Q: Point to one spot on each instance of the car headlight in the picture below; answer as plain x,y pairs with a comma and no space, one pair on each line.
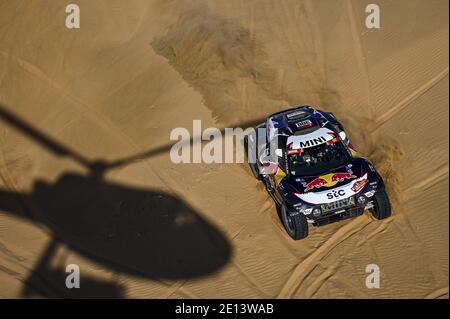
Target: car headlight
304,210
317,212
372,189
370,193
361,199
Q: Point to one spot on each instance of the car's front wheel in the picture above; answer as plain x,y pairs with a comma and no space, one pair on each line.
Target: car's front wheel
295,224
382,205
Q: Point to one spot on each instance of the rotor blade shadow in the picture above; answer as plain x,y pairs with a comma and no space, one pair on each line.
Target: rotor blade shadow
44,140
61,150
167,147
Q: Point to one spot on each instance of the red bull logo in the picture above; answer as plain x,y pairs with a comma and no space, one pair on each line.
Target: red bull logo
340,177
328,180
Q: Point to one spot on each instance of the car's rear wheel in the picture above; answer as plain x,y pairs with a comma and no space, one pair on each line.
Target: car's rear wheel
296,224
382,205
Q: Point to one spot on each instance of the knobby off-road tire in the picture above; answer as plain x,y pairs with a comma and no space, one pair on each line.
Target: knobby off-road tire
295,225
382,207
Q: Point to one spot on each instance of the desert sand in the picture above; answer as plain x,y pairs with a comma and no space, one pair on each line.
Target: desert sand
75,102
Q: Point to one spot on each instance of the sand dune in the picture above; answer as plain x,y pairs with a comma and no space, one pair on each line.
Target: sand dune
117,86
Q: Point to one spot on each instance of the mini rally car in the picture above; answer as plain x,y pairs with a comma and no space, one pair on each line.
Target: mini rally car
310,169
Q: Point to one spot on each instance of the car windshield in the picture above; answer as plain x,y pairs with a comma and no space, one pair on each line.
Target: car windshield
318,159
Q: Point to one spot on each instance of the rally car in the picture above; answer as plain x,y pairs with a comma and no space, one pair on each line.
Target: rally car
312,172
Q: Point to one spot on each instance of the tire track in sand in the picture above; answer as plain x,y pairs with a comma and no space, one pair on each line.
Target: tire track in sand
303,269
409,99
438,175
438,293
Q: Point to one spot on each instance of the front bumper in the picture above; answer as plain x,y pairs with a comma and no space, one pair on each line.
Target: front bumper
340,214
332,217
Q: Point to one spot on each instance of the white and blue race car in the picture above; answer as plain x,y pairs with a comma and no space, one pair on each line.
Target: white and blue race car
310,169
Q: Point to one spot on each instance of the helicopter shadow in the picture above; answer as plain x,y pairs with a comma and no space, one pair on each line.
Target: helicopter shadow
132,230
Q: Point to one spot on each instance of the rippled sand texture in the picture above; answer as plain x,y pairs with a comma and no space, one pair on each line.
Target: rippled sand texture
145,227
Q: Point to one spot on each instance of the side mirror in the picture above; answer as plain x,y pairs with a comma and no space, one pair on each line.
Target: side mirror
279,152
269,168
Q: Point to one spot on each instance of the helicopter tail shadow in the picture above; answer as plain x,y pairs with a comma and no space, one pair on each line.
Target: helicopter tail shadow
45,281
